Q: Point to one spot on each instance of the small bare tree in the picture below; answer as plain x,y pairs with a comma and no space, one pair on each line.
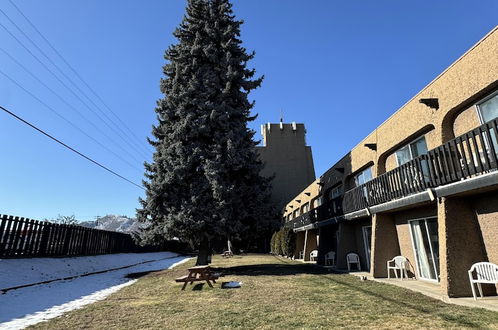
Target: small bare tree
65,220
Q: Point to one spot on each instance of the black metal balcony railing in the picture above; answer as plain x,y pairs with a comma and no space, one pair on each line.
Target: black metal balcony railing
468,155
327,210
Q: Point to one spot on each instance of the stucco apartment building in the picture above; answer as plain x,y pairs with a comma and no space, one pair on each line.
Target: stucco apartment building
423,185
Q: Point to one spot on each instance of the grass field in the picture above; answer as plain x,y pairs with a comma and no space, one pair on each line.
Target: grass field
276,293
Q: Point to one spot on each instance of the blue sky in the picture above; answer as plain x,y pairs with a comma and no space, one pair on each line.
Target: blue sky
326,63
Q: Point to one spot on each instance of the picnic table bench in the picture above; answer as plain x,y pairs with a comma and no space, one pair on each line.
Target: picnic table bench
227,254
198,273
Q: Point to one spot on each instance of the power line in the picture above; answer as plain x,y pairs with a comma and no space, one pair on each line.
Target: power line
68,147
68,79
65,119
65,102
51,72
73,70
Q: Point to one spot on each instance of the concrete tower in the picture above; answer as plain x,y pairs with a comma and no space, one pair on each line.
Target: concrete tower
286,155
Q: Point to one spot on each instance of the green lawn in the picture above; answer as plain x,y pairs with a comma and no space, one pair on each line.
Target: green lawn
276,293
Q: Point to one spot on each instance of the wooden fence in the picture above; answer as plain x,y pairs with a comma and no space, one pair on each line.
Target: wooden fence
22,237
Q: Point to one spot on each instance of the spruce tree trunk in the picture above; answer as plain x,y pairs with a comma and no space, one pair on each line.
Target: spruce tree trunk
204,252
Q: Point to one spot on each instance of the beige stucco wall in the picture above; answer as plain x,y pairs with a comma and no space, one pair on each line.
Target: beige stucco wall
460,244
465,121
391,162
469,79
313,191
472,73
385,244
486,209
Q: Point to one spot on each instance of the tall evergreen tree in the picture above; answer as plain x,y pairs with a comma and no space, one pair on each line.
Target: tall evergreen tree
204,182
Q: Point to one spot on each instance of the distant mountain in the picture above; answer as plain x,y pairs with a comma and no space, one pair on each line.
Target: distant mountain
111,222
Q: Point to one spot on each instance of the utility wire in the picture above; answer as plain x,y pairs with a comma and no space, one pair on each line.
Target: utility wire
65,119
66,102
70,148
77,74
53,74
70,81
74,71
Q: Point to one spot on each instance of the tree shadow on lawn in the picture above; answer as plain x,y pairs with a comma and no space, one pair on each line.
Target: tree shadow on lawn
271,270
279,269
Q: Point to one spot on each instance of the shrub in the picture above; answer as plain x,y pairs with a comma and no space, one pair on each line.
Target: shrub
272,243
287,242
278,243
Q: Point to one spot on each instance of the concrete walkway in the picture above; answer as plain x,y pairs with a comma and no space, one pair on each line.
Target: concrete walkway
433,290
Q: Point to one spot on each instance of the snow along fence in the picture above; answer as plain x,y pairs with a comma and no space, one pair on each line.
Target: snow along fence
23,237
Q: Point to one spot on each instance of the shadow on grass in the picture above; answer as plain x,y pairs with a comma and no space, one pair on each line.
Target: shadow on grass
142,274
431,309
271,270
198,287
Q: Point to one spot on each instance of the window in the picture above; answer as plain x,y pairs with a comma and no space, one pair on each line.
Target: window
488,109
363,177
335,192
305,208
411,150
317,202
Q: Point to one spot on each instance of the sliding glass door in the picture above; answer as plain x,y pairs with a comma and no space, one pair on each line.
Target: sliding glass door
367,237
426,247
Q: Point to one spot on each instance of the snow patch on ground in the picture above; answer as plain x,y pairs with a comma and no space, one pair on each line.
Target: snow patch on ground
27,306
56,311
16,272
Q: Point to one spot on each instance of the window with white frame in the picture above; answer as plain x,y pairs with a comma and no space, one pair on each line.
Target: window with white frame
363,177
488,109
411,150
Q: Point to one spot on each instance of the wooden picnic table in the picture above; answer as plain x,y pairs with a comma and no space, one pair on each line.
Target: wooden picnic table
227,254
198,273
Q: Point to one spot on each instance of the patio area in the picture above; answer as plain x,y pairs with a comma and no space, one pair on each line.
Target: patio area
433,290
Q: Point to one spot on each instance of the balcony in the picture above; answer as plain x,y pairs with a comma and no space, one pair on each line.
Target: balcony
469,155
327,210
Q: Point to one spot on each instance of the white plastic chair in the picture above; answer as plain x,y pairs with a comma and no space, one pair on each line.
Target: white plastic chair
330,259
398,263
353,258
486,273
313,255
301,255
